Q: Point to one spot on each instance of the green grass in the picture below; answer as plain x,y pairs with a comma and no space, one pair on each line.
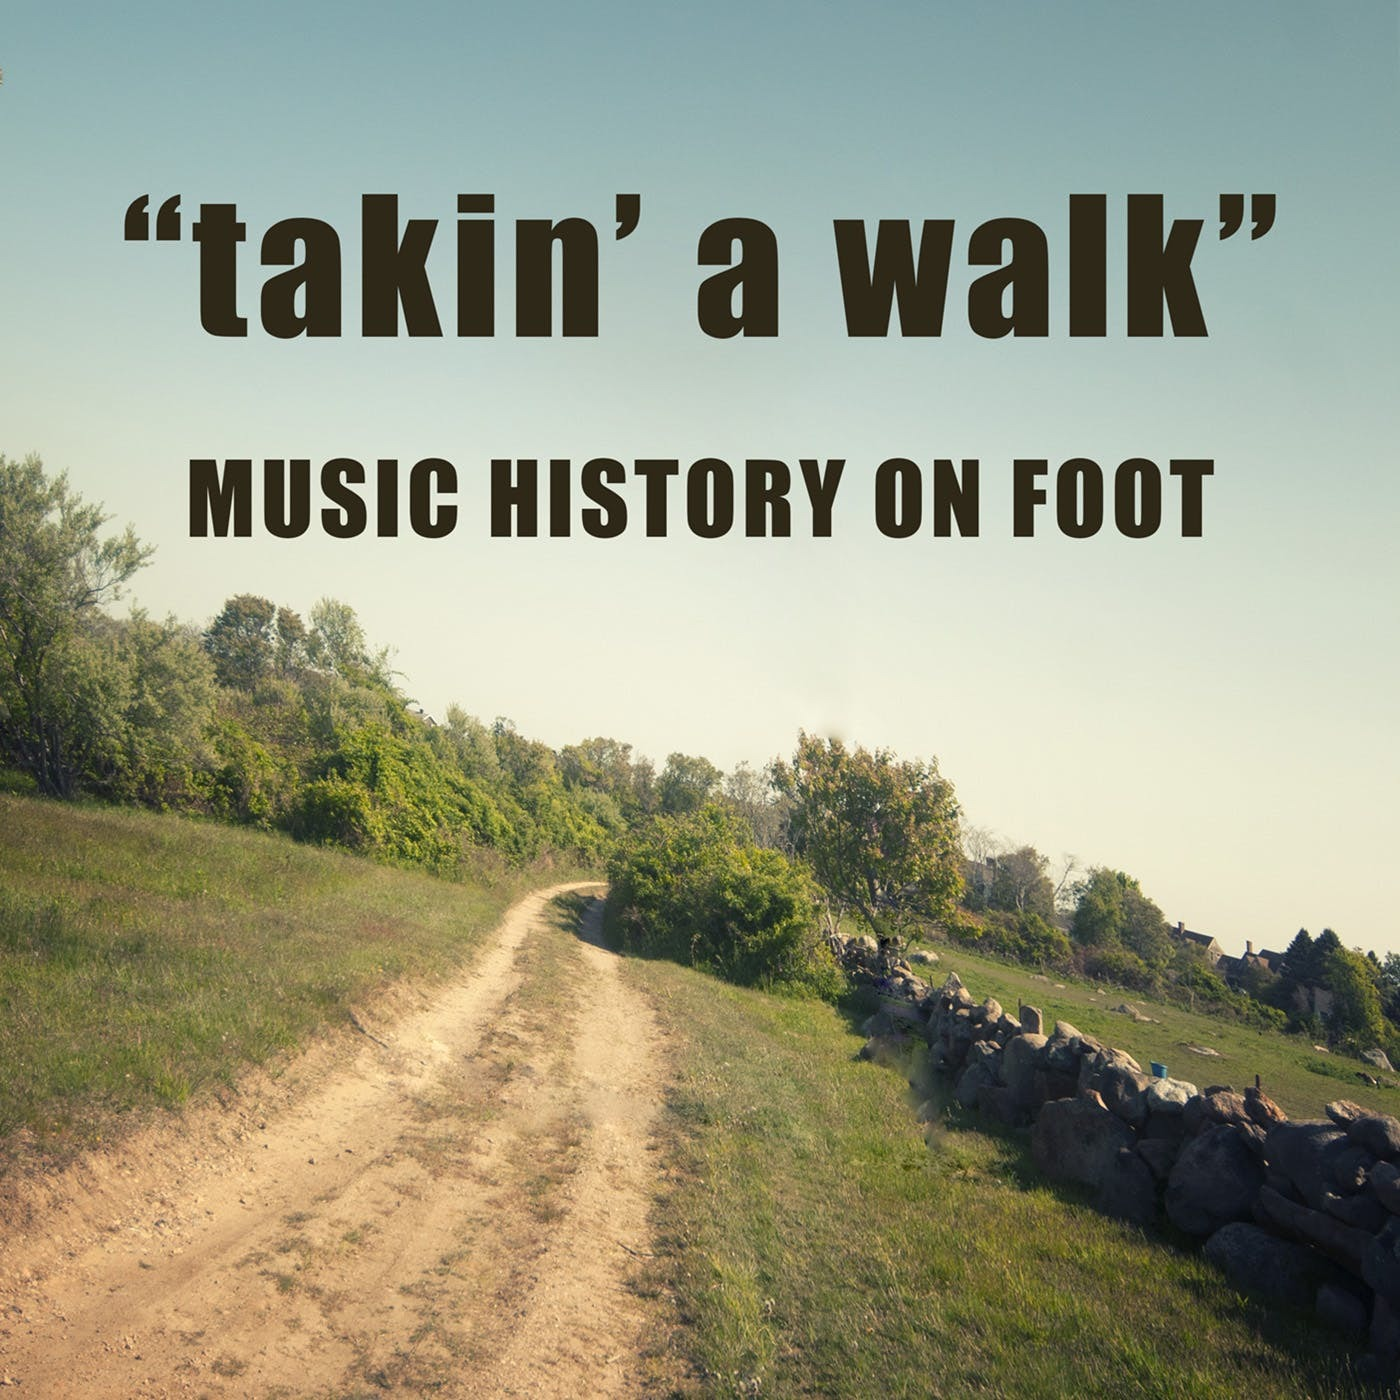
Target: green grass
815,1245
146,958
1298,1077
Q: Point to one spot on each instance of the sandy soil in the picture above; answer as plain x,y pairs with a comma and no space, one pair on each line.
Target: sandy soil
449,1203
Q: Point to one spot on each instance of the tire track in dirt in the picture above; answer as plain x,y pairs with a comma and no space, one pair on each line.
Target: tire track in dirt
457,1210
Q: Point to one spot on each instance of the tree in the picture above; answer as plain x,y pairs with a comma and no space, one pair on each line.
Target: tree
1388,980
1098,909
56,572
1299,966
750,795
470,745
242,642
1020,883
880,834
1112,912
686,783
167,704
1356,998
607,766
337,643
290,648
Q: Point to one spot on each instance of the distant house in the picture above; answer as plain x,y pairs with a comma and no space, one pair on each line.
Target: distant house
1265,960
980,876
1213,951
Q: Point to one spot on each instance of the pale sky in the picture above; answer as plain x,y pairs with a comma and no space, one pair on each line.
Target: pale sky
1216,716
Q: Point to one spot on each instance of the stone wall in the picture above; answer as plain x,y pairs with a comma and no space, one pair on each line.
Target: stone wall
1306,1213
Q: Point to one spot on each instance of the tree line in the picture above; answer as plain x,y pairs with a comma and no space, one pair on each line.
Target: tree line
266,718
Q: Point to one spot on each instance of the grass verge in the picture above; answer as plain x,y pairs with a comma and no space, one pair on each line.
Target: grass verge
144,958
814,1244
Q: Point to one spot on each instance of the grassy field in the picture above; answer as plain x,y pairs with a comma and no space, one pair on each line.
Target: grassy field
144,958
814,1245
1298,1077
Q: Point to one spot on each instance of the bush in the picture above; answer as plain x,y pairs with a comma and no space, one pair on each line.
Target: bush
1119,966
694,888
1023,938
1202,989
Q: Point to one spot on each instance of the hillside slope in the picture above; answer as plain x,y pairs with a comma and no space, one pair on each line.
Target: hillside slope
146,958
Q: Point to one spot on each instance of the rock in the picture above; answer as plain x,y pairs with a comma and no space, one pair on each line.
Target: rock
903,1013
1078,1140
1065,1031
1019,1062
1214,1181
1091,1066
1128,1190
1260,1263
1344,1243
991,1011
887,1049
923,956
952,985
1365,1212
1385,1331
972,1081
1380,1263
926,1112
1385,1183
1125,1094
1171,1127
1351,1169
1276,1181
1216,1105
1342,1311
1032,1022
997,1103
1305,1153
1343,1111
1160,1155
1262,1109
1376,1132
1378,1057
1054,1084
1169,1096
1062,1051
1256,1139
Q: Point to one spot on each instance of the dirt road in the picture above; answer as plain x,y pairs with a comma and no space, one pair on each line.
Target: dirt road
450,1203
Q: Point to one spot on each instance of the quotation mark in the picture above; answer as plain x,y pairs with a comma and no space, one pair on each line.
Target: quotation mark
1261,209
628,208
138,220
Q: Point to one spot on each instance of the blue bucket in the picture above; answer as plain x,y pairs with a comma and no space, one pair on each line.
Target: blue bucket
1158,1071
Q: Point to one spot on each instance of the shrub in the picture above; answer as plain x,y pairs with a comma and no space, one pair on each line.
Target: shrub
1023,938
1119,966
696,889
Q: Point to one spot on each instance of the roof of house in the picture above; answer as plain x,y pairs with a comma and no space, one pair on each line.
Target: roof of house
1204,939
